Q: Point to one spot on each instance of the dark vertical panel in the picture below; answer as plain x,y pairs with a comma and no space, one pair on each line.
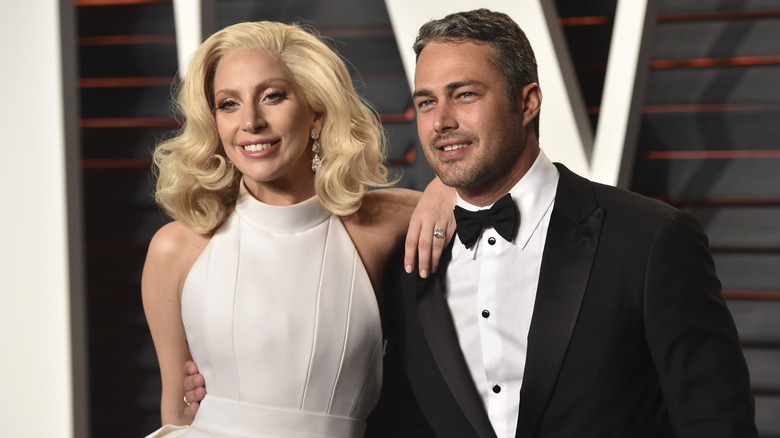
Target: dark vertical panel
708,143
127,63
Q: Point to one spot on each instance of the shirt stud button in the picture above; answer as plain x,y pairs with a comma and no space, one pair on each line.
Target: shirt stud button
496,389
485,313
492,240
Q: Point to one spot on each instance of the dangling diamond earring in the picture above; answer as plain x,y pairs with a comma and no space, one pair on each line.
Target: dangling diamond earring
316,149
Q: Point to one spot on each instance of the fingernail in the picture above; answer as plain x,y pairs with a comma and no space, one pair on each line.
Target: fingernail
424,274
408,269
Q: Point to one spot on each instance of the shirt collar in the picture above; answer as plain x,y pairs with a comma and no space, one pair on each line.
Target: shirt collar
534,195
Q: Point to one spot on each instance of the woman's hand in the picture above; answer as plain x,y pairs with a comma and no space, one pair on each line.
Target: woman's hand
431,228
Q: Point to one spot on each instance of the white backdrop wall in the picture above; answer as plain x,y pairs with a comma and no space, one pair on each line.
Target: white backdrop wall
36,372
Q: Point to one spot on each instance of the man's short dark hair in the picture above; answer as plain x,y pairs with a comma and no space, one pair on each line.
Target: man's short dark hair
512,53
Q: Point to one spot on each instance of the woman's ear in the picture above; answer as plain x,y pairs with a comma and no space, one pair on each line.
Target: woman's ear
319,120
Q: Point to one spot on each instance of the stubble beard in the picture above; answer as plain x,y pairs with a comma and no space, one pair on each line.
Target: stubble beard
476,174
456,173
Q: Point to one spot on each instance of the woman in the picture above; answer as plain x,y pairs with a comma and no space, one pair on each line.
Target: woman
267,277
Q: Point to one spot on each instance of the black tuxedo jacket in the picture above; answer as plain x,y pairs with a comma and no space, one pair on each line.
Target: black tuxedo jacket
630,336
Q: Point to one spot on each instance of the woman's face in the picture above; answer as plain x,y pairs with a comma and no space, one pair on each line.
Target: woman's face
265,124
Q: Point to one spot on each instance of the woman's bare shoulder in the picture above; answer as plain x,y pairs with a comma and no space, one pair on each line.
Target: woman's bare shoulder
389,207
175,240
394,197
383,216
172,252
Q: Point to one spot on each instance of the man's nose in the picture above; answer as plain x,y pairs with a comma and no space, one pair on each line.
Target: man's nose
443,118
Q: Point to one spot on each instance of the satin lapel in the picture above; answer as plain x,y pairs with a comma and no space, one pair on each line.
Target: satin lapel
442,339
569,251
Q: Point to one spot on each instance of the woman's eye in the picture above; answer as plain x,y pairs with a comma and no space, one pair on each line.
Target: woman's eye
227,104
275,96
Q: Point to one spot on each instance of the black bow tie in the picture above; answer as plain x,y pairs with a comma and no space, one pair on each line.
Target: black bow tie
502,216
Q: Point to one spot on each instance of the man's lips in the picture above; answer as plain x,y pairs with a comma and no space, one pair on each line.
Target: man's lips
453,147
452,143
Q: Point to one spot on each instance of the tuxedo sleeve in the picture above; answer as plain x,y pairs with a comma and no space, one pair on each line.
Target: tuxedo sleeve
692,336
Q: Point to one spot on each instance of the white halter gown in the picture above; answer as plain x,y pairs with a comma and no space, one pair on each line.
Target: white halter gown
282,320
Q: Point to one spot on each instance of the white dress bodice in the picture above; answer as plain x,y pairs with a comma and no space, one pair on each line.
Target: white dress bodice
283,323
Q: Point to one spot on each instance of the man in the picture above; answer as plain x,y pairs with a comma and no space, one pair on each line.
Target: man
598,315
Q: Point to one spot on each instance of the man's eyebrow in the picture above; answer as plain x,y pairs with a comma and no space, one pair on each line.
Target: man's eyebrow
457,84
425,92
422,93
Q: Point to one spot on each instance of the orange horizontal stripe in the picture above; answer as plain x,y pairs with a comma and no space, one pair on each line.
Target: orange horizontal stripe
406,116
585,21
377,75
116,2
129,122
715,62
751,294
409,157
118,40
126,82
696,155
720,15
660,64
116,164
356,31
720,202
699,107
666,18
708,107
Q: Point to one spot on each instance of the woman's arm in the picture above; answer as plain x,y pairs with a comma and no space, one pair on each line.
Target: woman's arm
172,252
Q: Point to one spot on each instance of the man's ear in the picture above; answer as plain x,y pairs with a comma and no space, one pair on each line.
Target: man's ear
531,102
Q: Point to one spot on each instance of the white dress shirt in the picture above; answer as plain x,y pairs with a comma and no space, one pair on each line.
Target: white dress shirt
491,290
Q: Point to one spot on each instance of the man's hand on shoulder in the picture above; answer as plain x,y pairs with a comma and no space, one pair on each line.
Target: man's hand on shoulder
194,389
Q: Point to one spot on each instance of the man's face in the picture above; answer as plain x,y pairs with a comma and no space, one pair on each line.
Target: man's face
470,138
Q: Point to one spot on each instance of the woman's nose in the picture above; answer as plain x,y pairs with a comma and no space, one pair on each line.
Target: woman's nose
253,120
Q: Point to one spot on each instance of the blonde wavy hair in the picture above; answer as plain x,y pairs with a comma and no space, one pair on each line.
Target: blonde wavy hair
196,184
